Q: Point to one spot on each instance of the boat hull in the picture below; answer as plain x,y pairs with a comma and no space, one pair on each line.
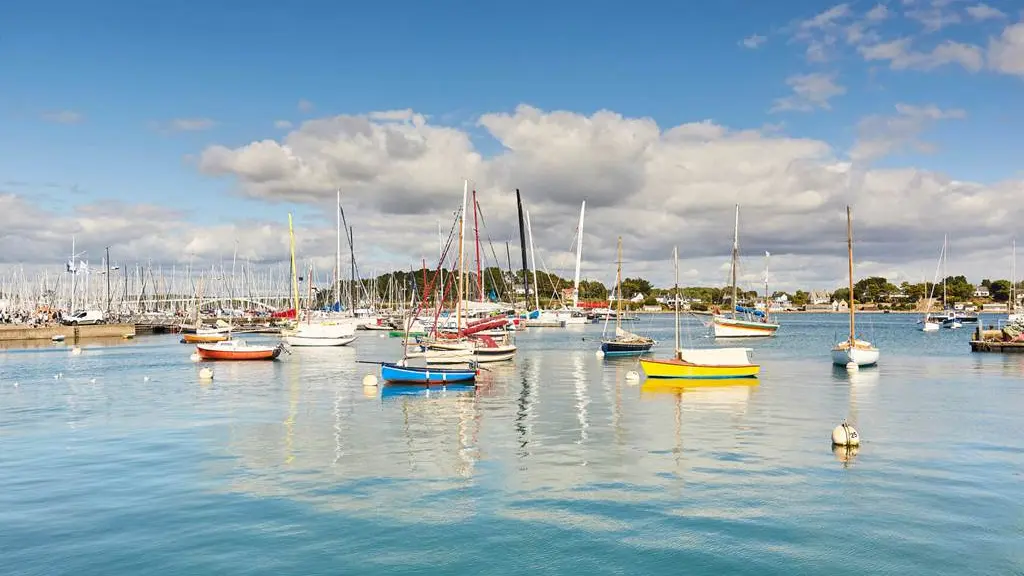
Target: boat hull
859,355
247,353
729,328
203,338
613,348
395,374
305,341
680,369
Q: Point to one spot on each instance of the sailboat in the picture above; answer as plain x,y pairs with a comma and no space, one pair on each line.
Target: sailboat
700,363
467,346
931,323
742,322
853,351
625,343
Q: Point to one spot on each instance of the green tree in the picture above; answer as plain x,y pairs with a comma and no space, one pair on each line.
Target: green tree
1000,290
633,286
841,294
958,289
873,289
800,298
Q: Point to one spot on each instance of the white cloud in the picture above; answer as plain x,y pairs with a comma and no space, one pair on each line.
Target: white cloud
935,18
810,91
283,124
883,135
655,186
984,12
754,41
878,13
827,18
1006,53
305,106
63,117
901,56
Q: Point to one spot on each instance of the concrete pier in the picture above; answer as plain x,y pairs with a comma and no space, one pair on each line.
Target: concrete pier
14,333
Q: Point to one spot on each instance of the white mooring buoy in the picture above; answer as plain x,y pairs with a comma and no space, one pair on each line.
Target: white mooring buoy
632,375
76,351
206,374
194,357
599,353
369,380
845,435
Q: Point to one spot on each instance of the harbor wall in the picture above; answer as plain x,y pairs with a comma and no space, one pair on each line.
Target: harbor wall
11,333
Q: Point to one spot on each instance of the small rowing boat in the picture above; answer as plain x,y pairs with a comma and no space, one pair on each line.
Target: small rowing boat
395,373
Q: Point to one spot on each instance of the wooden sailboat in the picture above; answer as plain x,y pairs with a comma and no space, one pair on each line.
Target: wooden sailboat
238,350
702,363
741,322
853,351
625,343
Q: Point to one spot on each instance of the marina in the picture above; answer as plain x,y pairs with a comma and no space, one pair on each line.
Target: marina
557,446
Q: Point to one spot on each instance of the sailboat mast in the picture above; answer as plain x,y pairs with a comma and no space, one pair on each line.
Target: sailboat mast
945,258
337,254
767,302
476,235
462,233
295,279
533,262
675,260
849,249
735,256
579,259
353,293
618,290
522,243
1013,275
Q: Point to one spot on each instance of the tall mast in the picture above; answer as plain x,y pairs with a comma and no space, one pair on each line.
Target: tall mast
579,258
735,256
849,248
476,234
945,257
337,255
618,290
675,259
767,303
1013,276
353,293
74,276
533,262
462,233
522,243
295,278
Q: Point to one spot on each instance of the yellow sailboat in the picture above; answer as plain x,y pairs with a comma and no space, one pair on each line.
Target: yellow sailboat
703,363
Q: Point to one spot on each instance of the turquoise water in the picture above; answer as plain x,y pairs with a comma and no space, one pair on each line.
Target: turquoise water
557,464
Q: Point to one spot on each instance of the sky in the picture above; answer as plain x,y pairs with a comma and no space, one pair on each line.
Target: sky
180,132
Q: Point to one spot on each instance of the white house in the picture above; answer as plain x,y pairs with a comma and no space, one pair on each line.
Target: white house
981,292
819,297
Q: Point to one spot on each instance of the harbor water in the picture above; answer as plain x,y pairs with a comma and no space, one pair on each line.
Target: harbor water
121,461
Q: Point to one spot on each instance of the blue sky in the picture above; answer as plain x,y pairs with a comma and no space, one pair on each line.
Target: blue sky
129,69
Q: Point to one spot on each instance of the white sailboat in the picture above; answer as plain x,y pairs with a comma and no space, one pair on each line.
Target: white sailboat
853,351
930,323
753,323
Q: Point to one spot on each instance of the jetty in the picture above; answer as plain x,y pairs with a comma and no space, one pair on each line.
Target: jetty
1004,340
17,332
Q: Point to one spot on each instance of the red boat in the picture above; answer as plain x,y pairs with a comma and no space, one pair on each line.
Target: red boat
238,350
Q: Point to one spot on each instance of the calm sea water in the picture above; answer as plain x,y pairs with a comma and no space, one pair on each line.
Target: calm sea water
120,461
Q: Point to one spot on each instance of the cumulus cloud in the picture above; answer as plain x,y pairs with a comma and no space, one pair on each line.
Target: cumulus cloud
878,13
656,186
810,91
63,117
185,125
1006,53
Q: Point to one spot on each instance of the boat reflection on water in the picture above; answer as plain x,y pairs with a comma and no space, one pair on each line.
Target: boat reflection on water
398,391
731,393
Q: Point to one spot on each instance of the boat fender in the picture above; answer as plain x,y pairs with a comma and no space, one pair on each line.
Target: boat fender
599,354
369,380
206,374
845,435
194,357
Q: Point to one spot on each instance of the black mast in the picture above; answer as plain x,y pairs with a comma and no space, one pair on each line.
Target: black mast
522,243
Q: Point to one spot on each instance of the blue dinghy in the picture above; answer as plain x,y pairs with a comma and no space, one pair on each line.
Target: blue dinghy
396,374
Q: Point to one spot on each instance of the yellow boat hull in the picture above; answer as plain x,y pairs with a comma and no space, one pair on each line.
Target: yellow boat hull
203,339
679,369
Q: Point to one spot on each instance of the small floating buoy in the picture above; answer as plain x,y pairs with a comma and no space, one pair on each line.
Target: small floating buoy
76,351
145,378
383,336
852,367
93,381
194,357
206,374
845,435
369,380
599,353
632,375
